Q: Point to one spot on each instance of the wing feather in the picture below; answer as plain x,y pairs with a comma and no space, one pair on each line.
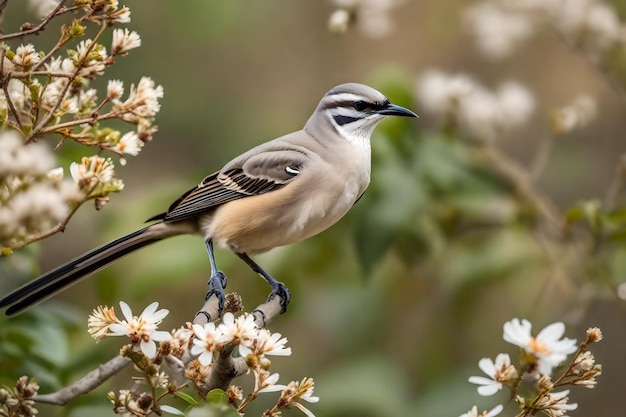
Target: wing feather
252,173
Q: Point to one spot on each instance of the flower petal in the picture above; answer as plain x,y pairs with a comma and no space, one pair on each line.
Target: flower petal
160,336
488,390
150,309
552,332
148,348
126,311
487,366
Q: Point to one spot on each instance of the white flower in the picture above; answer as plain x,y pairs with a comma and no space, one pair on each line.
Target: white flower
596,21
100,320
180,341
26,56
266,343
120,16
474,412
90,58
38,207
142,101
51,94
205,342
516,103
43,7
55,175
594,334
240,331
91,171
115,89
142,329
548,348
304,391
498,31
574,116
479,112
440,93
338,21
264,382
129,144
498,372
123,41
556,404
16,158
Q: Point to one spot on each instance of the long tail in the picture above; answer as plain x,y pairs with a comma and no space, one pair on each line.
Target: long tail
68,274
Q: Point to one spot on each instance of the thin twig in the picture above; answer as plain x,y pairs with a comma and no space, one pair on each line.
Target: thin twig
73,123
60,227
520,179
43,122
5,88
617,88
37,28
541,157
86,384
617,184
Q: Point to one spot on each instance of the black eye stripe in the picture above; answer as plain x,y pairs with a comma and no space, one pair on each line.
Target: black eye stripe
342,120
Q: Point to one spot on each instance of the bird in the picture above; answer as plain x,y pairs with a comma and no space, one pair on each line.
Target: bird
280,192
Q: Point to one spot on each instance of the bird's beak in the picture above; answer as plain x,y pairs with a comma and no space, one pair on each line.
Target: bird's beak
395,110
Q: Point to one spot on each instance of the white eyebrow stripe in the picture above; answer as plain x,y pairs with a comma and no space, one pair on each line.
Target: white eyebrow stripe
342,97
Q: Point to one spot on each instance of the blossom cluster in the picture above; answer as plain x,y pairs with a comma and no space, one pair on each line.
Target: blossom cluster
48,93
539,356
195,347
501,26
372,17
460,101
18,401
34,193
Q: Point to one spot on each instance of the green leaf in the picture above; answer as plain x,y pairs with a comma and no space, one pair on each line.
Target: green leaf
187,398
217,396
575,214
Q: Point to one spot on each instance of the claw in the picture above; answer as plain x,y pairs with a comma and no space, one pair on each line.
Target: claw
279,289
217,283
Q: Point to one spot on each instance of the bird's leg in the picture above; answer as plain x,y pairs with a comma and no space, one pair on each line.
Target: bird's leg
217,282
278,288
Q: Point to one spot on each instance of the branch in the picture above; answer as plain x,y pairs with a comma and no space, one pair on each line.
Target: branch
86,384
37,28
46,119
226,368
60,227
613,83
522,181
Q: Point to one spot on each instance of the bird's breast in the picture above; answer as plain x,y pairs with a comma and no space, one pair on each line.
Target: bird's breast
295,212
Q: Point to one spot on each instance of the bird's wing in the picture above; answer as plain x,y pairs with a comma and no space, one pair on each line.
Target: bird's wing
250,174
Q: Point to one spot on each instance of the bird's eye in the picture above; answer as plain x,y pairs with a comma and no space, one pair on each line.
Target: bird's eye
360,105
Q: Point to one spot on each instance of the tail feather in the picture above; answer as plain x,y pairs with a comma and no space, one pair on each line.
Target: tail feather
68,274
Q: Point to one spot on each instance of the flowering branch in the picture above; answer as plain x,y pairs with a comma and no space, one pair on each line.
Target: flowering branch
202,355
539,356
46,93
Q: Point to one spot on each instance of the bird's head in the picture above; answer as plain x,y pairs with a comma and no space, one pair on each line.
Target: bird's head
353,111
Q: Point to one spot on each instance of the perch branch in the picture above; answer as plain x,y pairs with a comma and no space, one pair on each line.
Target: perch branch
86,384
226,368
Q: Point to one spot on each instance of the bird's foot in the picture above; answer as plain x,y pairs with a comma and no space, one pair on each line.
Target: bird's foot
217,283
279,289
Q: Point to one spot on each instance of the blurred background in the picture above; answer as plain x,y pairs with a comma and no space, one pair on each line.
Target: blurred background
393,307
